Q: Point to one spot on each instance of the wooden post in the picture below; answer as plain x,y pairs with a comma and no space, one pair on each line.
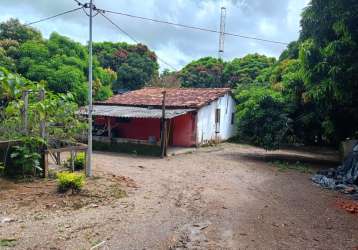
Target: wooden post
44,155
85,166
166,136
42,122
109,128
45,164
58,158
163,129
25,98
72,161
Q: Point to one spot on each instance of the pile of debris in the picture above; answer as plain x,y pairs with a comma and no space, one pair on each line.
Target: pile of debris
344,178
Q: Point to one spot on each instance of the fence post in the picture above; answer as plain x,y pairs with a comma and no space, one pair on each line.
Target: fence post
44,155
25,99
163,131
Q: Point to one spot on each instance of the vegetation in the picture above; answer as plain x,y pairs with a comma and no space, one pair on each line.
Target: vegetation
261,116
8,242
206,72
135,65
78,161
309,95
56,110
25,158
70,181
316,79
297,166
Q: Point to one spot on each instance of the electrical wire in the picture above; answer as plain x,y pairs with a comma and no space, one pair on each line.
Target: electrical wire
78,2
132,38
51,17
191,27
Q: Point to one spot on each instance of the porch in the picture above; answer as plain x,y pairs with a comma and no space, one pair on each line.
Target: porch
144,126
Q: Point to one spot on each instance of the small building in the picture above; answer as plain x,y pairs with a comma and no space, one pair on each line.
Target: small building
193,116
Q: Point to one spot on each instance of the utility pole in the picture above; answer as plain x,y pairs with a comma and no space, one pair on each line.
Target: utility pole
222,32
163,132
90,106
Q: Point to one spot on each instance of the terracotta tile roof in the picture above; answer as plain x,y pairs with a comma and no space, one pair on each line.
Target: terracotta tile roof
175,97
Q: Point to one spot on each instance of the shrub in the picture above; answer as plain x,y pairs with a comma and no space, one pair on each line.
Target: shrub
261,117
70,181
79,161
25,158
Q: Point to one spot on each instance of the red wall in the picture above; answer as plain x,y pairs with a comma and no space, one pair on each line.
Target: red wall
183,130
136,128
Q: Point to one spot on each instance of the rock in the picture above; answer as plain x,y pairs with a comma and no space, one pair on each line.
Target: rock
7,220
93,205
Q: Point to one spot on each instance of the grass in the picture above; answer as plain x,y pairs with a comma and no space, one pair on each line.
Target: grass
7,242
297,166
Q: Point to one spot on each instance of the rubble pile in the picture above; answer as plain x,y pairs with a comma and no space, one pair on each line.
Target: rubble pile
344,178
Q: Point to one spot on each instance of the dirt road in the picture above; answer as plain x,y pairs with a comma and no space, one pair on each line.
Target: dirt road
227,197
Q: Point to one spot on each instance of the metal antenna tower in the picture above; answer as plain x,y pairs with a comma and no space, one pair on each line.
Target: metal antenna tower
222,32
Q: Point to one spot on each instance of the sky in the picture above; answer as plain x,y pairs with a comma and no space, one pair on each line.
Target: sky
268,19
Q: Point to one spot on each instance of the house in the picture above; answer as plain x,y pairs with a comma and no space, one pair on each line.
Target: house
193,116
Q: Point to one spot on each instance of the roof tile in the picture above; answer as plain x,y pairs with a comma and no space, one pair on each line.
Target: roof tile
175,97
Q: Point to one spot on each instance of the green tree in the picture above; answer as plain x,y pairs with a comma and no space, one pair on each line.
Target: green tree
245,70
329,54
261,117
135,65
206,72
14,30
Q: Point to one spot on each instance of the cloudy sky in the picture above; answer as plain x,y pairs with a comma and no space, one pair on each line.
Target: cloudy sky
268,19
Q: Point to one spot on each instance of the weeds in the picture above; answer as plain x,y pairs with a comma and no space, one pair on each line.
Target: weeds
70,181
7,242
297,166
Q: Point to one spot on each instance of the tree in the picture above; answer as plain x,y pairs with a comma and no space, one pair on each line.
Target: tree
168,79
8,51
245,70
206,72
135,65
14,30
261,117
329,54
291,52
59,61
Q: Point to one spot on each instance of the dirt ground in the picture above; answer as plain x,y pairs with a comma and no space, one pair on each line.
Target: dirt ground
224,197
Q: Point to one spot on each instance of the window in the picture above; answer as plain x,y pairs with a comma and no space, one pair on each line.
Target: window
217,116
232,118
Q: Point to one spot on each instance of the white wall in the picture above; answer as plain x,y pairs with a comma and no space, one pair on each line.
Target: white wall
206,120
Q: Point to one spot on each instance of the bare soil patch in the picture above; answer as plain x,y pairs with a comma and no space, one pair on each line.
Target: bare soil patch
225,197
40,197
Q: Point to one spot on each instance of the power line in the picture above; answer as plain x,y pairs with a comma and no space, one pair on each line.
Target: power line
192,27
78,2
132,38
51,17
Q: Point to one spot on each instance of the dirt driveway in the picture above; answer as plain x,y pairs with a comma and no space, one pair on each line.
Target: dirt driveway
226,197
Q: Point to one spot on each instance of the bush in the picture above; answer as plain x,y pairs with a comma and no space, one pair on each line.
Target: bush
261,117
25,158
70,181
79,161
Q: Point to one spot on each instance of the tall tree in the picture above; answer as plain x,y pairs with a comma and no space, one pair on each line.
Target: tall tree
135,65
328,53
245,70
206,72
14,30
